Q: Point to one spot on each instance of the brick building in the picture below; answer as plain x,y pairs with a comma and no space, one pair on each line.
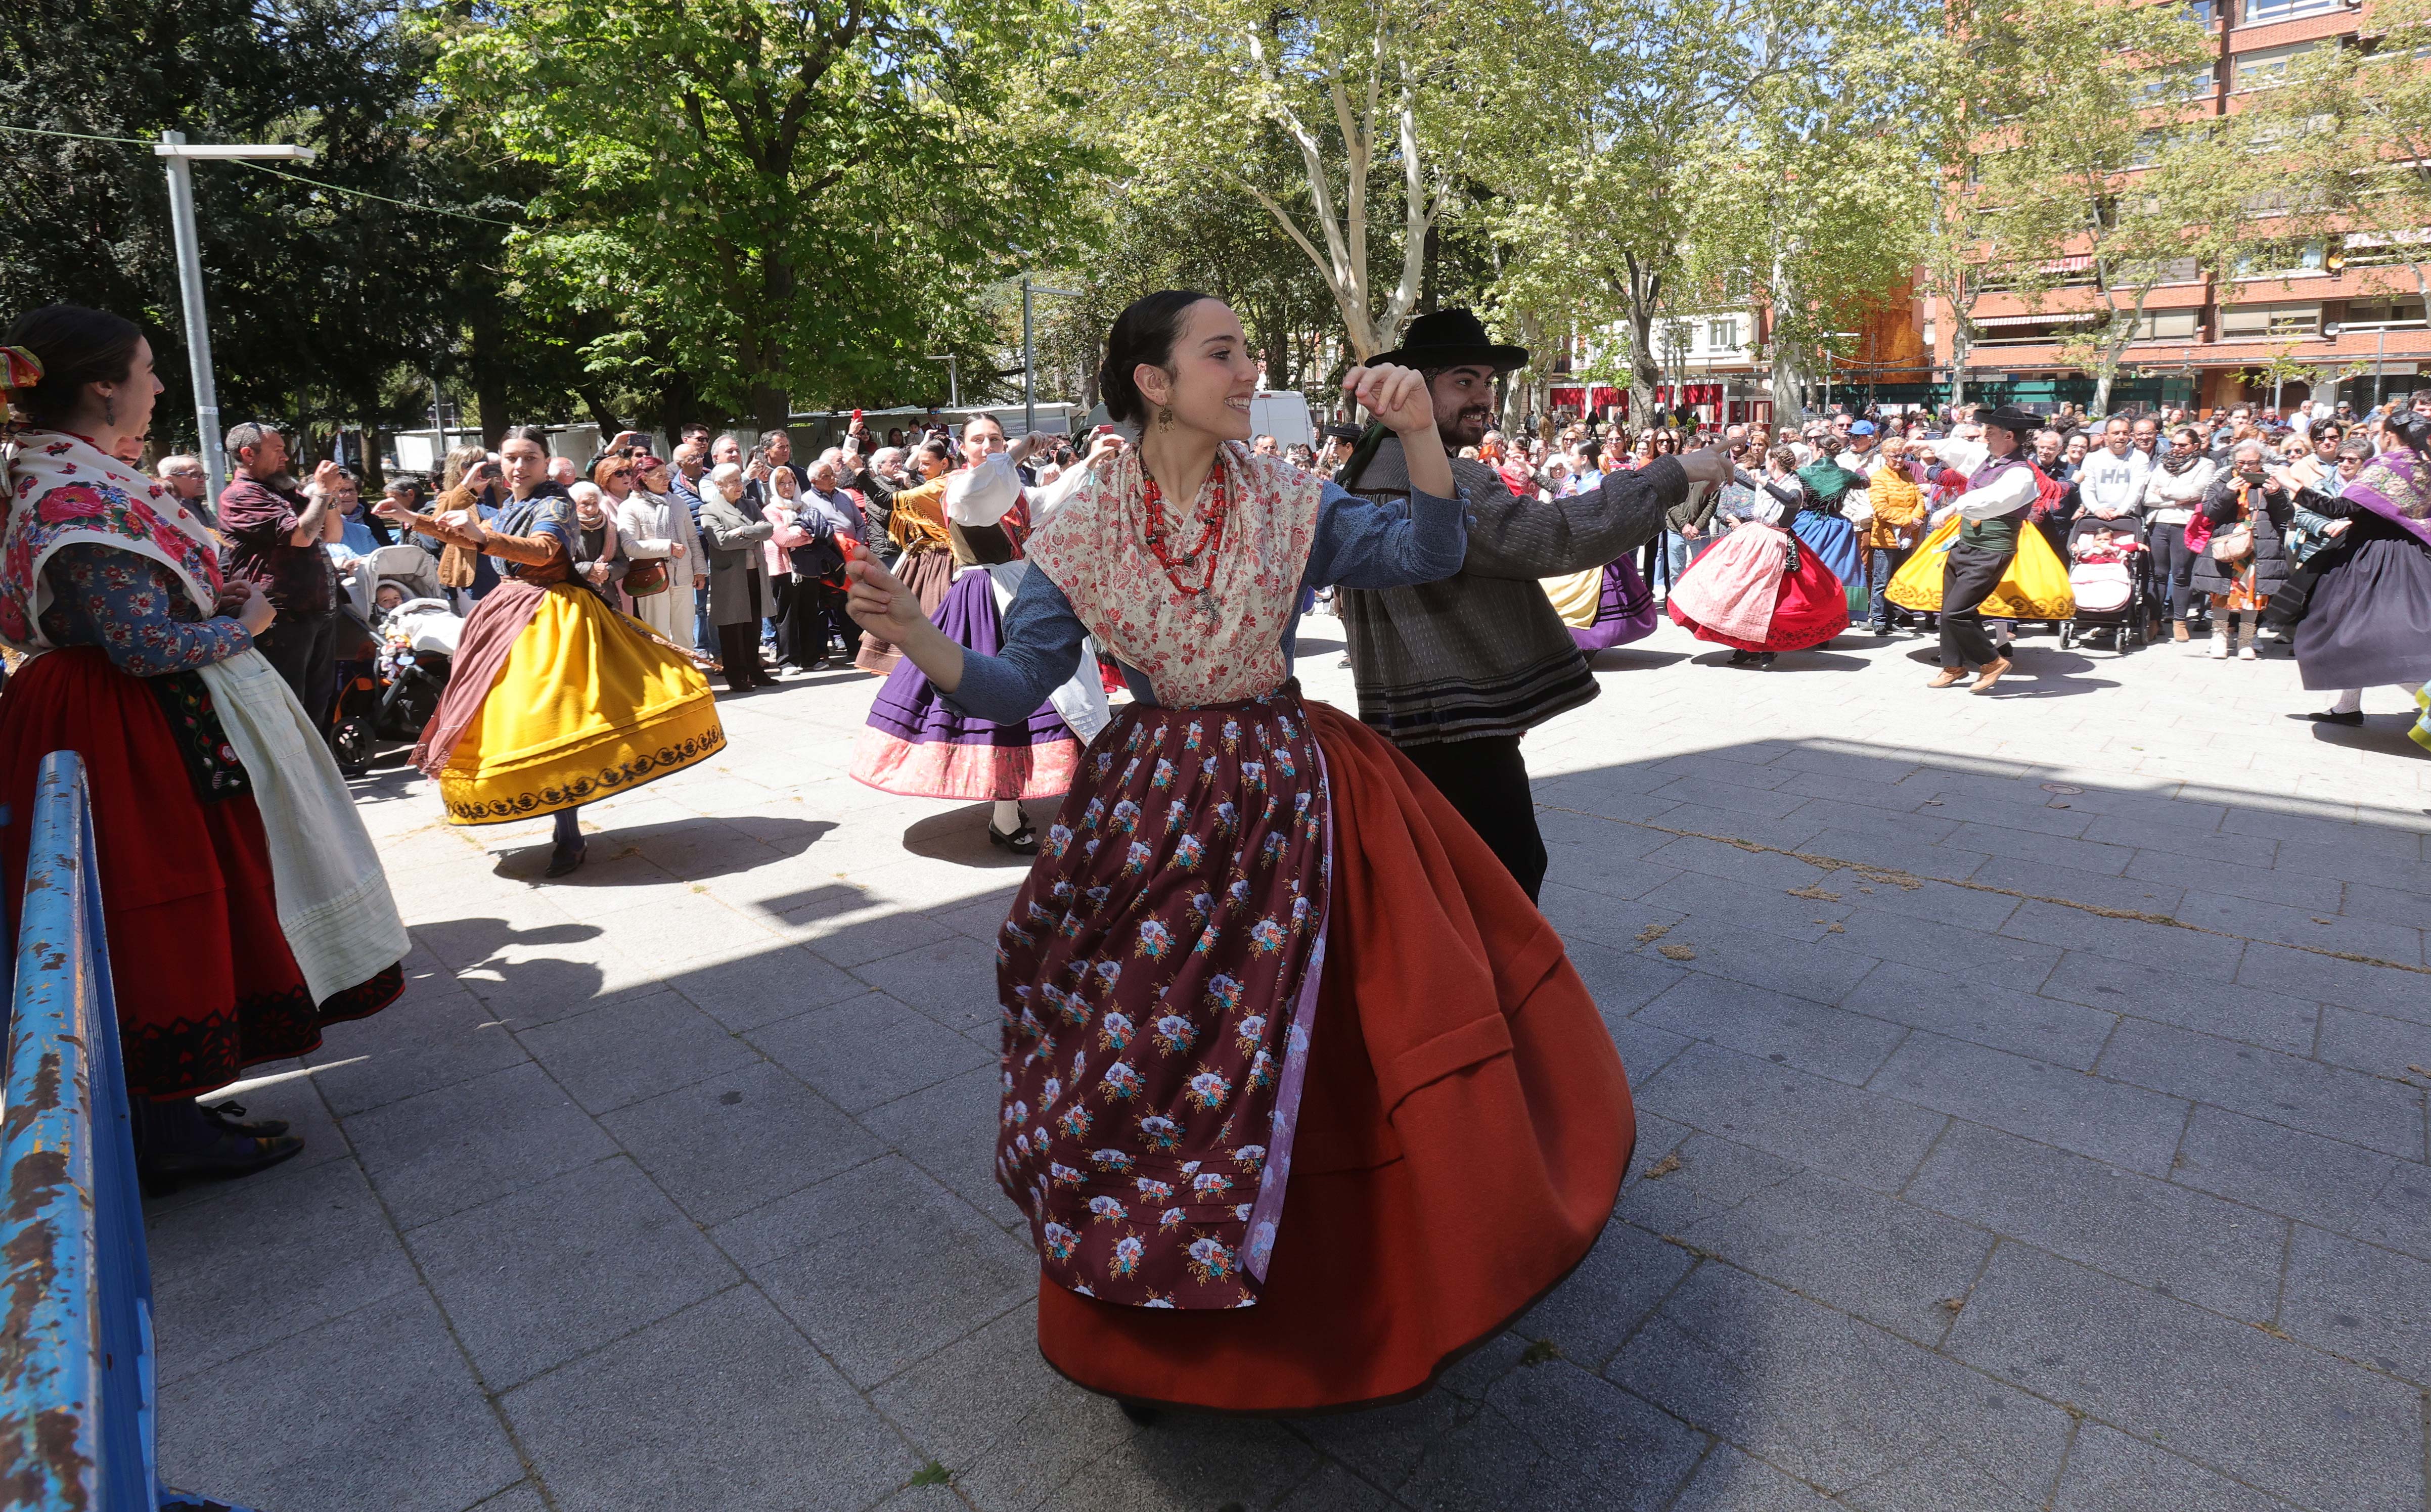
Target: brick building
2339,309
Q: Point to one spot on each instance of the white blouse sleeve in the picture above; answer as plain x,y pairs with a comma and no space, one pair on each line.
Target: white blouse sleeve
983,495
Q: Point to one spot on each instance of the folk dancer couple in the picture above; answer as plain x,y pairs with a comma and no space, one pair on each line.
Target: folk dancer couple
1302,1095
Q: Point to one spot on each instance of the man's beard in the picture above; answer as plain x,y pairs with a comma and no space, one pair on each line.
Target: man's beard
1468,426
282,480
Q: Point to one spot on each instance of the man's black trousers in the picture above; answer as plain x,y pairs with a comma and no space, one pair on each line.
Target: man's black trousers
1486,780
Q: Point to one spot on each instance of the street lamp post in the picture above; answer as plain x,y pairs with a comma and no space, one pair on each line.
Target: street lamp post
953,376
173,147
1029,352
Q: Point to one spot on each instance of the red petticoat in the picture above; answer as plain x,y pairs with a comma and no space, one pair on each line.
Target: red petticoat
1461,1135
1813,608
205,982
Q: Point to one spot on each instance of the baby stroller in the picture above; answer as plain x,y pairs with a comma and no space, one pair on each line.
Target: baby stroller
420,636
2106,573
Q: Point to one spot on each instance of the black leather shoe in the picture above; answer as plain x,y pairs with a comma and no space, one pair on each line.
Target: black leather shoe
1022,842
230,1118
563,861
230,1158
2352,717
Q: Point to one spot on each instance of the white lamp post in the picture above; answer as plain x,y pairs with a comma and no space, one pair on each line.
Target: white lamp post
190,283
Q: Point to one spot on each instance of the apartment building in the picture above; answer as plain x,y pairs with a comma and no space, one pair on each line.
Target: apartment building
2335,312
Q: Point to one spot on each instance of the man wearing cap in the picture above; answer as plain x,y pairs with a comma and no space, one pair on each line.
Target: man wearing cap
1454,672
2002,488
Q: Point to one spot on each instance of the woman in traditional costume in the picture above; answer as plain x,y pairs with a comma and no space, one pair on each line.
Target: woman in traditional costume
1302,1095
1822,521
916,744
1604,607
917,525
2368,621
245,905
554,699
1762,590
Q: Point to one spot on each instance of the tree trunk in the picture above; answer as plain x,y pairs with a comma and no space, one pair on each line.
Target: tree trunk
602,414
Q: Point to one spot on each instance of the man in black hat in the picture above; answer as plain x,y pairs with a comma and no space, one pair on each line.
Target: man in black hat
1454,672
2001,494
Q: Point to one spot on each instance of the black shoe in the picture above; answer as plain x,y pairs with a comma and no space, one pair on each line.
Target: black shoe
2352,717
230,1158
229,1116
1138,1412
1022,842
1741,657
1764,658
564,860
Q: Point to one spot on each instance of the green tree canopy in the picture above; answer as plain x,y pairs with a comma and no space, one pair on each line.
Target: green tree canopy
787,201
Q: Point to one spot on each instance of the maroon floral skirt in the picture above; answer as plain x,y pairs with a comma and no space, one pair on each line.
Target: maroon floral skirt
1158,974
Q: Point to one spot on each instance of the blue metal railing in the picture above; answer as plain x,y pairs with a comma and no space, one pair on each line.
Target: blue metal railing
76,1387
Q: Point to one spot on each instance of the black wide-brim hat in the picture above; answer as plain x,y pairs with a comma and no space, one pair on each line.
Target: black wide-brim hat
2017,422
1451,338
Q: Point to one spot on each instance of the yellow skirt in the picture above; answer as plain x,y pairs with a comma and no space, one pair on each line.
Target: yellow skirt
1575,596
588,705
2034,587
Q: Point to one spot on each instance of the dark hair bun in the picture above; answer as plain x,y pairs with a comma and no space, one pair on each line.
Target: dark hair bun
75,346
1144,332
2412,428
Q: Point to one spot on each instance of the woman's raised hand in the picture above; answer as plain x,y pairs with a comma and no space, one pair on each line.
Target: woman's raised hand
1396,395
878,602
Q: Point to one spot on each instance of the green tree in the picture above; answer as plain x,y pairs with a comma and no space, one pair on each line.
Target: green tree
2087,188
1383,108
324,305
783,200
1713,150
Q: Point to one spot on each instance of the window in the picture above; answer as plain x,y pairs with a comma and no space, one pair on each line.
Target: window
2180,269
2395,311
2203,12
2259,12
2283,259
1723,335
1677,336
2195,84
2167,324
2267,68
2254,321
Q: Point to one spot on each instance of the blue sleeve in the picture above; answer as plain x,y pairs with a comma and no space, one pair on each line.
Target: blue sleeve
1364,543
556,518
128,602
1041,651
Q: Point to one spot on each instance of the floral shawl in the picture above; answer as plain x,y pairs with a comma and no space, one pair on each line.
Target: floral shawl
1218,647
2394,488
62,490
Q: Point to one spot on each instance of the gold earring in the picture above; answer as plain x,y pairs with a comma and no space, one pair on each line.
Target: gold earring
109,408
1165,417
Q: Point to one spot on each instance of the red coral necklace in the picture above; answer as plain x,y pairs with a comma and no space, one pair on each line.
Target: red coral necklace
1210,514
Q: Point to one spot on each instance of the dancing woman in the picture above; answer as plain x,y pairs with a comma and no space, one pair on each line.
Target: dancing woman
245,905
1302,1096
556,699
1763,590
2368,621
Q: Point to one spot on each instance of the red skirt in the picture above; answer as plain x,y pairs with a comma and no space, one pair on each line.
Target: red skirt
1462,1132
205,982
1813,608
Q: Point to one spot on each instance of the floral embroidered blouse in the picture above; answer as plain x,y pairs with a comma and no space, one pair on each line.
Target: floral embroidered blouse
1358,544
135,611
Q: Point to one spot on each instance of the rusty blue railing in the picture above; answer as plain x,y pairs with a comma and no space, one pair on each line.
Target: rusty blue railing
76,1387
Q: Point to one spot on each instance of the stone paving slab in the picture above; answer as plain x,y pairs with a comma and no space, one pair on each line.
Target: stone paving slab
2031,1107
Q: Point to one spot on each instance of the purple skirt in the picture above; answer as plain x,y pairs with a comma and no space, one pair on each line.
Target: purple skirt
1624,611
917,746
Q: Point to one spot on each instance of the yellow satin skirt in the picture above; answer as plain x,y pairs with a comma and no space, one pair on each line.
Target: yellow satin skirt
1576,595
588,705
2034,587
